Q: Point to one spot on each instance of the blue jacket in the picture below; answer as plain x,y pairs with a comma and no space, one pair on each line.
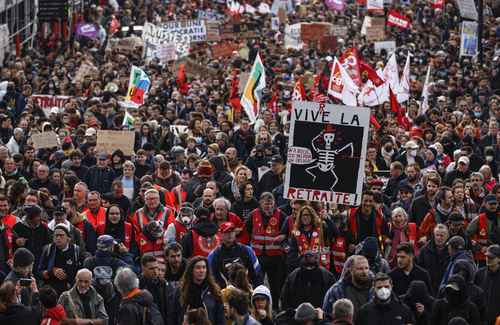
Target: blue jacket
461,255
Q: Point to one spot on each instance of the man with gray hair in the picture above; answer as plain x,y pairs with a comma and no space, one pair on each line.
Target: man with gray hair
82,301
137,306
343,312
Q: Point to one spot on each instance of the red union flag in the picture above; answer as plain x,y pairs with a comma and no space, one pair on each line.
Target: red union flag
437,4
396,19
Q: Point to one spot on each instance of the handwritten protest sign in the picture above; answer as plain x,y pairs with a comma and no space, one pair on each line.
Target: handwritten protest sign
86,69
339,30
126,44
467,9
44,140
167,52
109,140
223,50
312,32
46,102
213,31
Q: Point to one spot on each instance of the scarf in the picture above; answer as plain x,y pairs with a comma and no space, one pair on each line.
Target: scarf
236,190
443,211
85,298
398,237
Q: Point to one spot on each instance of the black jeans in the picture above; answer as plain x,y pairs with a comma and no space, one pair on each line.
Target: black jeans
275,269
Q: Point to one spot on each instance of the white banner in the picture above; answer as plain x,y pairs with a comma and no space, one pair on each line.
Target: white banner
467,9
180,33
292,37
4,41
468,39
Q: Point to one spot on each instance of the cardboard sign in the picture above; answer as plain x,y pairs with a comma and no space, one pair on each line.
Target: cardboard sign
86,69
194,69
375,29
328,44
213,32
292,37
244,53
339,30
46,102
326,153
126,44
44,140
224,50
388,46
109,140
313,32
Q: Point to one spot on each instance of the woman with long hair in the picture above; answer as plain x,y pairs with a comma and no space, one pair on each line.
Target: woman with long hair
196,317
262,305
231,189
237,279
247,201
198,289
308,234
400,231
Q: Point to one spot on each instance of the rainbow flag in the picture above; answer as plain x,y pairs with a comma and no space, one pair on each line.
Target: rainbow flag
138,87
252,94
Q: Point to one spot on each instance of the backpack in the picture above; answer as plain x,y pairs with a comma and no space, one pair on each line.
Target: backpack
150,315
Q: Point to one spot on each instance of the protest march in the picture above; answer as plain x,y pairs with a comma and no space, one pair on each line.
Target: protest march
243,162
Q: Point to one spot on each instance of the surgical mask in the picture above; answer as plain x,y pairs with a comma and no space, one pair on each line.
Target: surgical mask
412,152
477,114
489,158
383,294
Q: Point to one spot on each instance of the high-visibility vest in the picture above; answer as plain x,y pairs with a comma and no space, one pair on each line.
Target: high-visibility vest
412,236
339,252
9,220
263,239
152,247
165,216
174,199
313,244
202,246
180,230
481,236
95,219
127,228
353,222
9,242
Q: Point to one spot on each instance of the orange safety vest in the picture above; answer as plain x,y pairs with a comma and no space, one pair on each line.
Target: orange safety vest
95,220
412,235
313,244
174,199
127,236
481,236
202,246
263,238
339,252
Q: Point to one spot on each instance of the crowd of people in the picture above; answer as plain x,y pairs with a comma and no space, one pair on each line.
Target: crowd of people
193,228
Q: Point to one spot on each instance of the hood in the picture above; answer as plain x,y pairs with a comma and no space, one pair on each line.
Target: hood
465,269
417,293
206,228
263,290
369,248
144,298
217,163
12,313
56,313
459,280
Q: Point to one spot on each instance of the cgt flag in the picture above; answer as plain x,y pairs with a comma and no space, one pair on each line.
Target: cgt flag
138,87
252,94
395,18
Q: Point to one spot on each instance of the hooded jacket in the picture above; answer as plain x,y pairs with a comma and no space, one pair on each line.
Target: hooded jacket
134,309
20,314
444,309
220,175
54,315
433,260
490,282
418,293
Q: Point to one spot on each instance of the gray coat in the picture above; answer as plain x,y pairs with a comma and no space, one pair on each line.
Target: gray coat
72,304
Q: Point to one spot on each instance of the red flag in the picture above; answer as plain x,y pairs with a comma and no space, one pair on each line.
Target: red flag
234,98
374,122
400,112
370,73
394,102
395,18
299,92
350,62
437,4
181,80
114,25
273,103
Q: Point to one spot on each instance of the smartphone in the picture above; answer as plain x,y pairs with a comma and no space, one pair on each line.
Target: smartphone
25,282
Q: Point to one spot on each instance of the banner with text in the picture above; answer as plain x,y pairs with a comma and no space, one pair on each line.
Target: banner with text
326,153
468,39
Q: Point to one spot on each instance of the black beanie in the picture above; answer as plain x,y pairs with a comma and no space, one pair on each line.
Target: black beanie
23,258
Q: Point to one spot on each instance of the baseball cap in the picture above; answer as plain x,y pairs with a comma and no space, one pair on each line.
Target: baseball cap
406,188
463,160
493,251
90,132
59,211
105,242
457,242
226,227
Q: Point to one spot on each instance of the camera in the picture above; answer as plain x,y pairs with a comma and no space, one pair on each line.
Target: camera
25,282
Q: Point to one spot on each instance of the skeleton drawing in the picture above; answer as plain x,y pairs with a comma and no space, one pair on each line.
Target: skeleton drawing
323,145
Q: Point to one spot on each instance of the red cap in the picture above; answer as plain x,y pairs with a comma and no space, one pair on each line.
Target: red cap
227,227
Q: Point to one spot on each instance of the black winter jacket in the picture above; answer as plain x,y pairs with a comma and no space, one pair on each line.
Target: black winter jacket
133,310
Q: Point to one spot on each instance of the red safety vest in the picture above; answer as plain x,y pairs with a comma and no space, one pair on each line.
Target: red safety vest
202,246
180,230
353,222
339,252
263,237
481,236
412,236
9,220
95,220
153,247
9,241
165,216
127,236
313,244
174,199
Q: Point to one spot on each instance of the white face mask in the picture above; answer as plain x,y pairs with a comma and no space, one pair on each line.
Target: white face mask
412,152
383,294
